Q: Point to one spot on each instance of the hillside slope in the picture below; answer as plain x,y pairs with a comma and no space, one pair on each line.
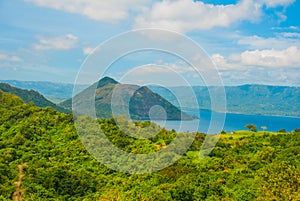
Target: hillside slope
125,97
51,90
31,96
42,145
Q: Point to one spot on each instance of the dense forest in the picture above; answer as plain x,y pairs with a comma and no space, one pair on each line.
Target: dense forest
42,158
31,96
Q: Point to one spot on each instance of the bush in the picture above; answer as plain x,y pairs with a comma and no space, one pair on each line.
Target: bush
251,127
297,130
282,131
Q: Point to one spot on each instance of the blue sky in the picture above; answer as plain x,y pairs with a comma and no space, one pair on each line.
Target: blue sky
250,41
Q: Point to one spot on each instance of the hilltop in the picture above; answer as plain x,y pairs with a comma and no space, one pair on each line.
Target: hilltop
133,98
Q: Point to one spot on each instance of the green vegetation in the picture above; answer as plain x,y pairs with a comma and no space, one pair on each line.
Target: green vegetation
53,91
42,158
137,100
251,127
31,96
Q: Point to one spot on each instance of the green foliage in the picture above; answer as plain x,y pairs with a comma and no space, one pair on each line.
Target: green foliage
31,96
251,127
142,99
243,166
297,130
280,181
282,131
59,91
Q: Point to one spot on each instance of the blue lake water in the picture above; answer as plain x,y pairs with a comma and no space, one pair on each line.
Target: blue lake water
232,122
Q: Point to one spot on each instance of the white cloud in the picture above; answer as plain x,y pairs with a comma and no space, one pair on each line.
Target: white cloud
186,15
281,41
295,35
102,10
289,57
161,67
168,74
290,28
87,50
220,61
176,15
268,66
275,3
5,57
65,42
278,76
286,58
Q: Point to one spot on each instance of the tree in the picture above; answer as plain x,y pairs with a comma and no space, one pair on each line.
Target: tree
297,130
251,127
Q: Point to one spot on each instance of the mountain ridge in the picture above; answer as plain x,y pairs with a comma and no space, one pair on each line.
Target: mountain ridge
31,96
285,99
126,98
244,99
51,90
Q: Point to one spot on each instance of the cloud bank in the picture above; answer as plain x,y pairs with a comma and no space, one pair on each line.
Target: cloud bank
175,15
289,57
101,10
65,42
9,58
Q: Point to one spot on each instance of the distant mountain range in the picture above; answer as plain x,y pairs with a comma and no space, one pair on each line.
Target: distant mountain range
31,96
137,100
245,99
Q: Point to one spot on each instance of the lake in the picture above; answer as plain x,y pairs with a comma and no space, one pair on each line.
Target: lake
232,122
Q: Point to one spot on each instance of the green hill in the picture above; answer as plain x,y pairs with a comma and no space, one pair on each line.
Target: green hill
31,96
139,105
51,90
42,158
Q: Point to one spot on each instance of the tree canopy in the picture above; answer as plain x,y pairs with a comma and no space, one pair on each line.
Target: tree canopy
42,145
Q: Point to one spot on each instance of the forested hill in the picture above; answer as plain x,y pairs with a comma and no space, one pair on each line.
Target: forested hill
133,98
31,96
42,158
50,90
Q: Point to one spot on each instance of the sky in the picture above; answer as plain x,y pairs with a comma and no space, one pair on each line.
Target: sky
249,41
